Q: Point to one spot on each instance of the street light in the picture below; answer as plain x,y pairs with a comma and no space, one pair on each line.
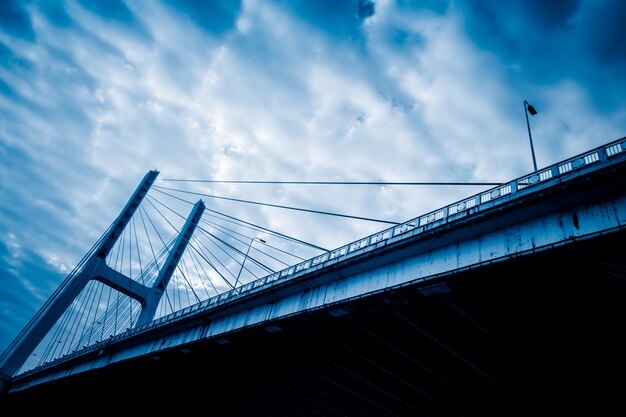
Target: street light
246,257
529,108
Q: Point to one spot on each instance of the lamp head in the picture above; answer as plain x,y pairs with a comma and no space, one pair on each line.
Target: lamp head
531,109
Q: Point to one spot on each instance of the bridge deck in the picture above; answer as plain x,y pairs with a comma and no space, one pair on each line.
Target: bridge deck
521,319
532,336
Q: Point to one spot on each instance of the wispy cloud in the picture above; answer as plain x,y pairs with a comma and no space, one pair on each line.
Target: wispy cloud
95,94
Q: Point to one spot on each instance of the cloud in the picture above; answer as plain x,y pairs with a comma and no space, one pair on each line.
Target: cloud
365,9
216,17
94,95
22,294
548,42
340,20
15,21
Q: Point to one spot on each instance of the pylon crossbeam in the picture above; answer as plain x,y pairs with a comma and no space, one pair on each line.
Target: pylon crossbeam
103,273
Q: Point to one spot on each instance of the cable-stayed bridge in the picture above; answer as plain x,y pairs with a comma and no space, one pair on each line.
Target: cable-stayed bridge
508,302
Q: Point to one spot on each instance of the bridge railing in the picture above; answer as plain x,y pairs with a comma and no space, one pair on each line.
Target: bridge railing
415,226
575,166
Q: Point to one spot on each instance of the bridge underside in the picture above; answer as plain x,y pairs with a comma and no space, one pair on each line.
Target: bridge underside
537,335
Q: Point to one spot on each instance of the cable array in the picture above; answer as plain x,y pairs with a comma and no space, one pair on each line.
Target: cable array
224,252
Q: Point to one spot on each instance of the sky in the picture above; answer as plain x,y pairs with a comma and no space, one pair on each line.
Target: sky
94,94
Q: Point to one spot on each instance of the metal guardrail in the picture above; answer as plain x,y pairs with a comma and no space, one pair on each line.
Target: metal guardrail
426,222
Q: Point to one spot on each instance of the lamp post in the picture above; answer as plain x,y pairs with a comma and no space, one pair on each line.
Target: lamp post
246,257
529,108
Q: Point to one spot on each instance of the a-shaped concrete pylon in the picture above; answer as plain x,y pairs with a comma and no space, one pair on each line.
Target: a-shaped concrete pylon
95,268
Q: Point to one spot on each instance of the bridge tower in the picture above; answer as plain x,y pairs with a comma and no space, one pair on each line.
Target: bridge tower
94,267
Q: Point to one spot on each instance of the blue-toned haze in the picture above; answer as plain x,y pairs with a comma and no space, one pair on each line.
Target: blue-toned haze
93,94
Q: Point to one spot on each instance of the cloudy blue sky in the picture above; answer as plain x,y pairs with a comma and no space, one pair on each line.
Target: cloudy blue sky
93,94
